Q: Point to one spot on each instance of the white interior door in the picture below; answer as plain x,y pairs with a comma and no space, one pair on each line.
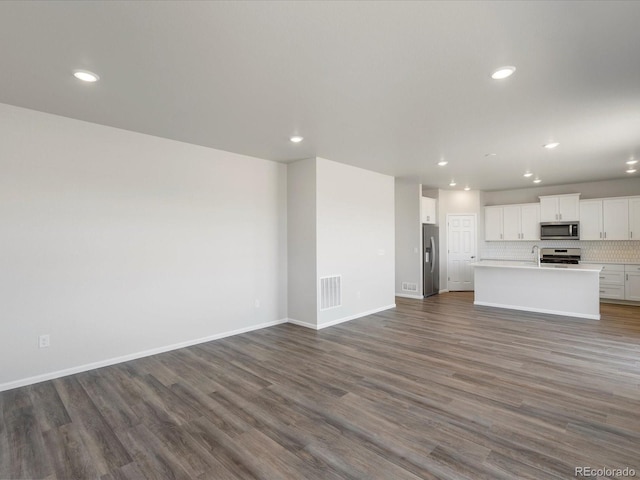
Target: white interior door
461,251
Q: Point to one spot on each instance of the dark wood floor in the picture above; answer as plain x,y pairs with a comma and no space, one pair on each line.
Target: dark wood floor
432,389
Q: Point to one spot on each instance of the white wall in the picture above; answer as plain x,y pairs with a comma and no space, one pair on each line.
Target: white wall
301,236
355,234
115,243
408,235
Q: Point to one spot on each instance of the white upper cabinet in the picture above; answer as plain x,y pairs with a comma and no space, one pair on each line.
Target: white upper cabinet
530,221
512,222
605,219
560,208
493,223
428,210
591,220
634,218
615,218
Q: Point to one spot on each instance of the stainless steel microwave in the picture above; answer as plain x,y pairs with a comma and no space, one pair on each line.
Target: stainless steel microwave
560,231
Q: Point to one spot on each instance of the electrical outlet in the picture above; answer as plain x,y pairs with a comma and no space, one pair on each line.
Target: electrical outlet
44,341
257,303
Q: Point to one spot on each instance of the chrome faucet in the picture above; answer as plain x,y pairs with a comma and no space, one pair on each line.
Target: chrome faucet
533,249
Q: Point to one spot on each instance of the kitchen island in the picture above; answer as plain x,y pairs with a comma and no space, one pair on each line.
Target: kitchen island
571,290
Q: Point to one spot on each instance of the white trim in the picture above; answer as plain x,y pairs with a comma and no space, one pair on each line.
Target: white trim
340,320
446,290
132,356
301,323
353,317
404,295
539,310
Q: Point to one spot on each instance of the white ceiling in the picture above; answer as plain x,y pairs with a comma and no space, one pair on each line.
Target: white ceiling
388,86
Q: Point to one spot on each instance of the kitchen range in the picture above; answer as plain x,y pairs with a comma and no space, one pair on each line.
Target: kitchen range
560,256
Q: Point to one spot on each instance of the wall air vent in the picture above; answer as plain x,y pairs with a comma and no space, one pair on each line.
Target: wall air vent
330,292
409,287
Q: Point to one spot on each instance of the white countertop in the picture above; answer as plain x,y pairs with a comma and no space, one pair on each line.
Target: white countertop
533,265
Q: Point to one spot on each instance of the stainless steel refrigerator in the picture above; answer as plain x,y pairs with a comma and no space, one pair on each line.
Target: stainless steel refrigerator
430,260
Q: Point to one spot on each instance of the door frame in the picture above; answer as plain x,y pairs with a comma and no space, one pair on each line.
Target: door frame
446,254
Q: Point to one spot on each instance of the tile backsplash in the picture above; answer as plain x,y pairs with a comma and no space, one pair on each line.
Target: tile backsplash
623,251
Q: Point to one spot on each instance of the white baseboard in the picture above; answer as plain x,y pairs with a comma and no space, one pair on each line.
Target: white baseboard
302,324
619,302
132,356
446,290
340,320
405,295
540,310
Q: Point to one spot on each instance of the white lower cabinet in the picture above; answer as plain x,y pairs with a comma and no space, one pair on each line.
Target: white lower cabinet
619,282
611,281
632,282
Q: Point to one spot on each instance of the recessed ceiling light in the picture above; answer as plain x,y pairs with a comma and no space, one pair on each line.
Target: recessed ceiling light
551,145
537,180
490,154
503,72
528,174
86,76
632,170
442,163
467,189
632,162
296,139
453,183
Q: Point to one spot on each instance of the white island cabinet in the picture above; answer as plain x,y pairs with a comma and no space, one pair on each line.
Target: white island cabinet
560,290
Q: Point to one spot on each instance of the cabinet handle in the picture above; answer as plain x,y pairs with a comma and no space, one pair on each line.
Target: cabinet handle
601,291
627,277
630,234
560,216
601,278
600,234
605,234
